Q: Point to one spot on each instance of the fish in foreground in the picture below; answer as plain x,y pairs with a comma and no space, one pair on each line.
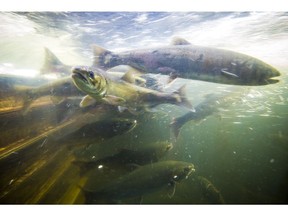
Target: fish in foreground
100,86
147,154
211,105
144,180
58,89
184,60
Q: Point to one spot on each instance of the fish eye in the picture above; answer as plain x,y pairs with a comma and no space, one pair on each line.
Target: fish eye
91,74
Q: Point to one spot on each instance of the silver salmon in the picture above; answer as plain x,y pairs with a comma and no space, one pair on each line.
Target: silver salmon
100,86
184,60
144,180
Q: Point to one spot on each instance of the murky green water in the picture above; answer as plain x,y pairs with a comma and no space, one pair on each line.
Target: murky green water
241,148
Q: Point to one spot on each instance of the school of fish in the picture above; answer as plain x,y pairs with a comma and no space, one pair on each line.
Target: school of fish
102,94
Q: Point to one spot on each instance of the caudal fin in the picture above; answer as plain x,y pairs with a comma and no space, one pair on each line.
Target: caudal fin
101,57
175,127
183,100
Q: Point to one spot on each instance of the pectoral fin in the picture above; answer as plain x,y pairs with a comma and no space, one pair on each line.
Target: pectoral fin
171,189
113,100
128,77
133,76
87,101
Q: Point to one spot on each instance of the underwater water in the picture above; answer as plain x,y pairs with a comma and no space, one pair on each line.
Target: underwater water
55,152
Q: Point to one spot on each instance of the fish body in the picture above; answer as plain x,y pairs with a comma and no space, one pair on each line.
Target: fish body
145,179
101,86
58,90
148,154
184,60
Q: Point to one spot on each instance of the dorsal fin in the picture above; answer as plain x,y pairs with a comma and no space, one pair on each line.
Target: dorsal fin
99,54
179,41
51,63
132,75
128,77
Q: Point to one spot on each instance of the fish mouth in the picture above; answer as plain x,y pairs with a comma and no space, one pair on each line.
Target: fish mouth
129,124
189,169
76,74
272,76
272,80
169,147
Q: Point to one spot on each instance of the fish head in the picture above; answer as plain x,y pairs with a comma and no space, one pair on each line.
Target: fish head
164,147
182,171
160,148
124,125
257,72
90,81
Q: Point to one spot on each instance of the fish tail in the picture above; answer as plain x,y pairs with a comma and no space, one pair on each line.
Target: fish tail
101,57
183,100
175,127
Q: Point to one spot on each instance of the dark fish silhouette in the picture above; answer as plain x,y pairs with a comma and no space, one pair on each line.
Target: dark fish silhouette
147,154
144,180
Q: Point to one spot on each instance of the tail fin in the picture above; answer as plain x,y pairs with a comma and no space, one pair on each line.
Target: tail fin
183,101
100,56
52,64
175,127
